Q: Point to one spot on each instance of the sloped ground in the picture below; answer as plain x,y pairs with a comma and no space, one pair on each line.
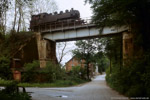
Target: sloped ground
95,90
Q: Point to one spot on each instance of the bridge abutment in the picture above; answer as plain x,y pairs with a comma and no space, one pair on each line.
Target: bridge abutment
128,47
46,50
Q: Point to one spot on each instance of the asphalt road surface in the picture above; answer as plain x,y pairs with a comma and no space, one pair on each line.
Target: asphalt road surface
95,90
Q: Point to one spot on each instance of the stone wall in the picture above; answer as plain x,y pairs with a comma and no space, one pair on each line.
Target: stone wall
46,50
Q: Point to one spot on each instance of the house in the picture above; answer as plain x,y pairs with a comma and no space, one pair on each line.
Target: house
73,62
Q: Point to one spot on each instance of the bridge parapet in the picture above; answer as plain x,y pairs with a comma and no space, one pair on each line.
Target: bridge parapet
63,25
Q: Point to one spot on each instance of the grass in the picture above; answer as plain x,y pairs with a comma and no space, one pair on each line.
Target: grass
58,83
5,82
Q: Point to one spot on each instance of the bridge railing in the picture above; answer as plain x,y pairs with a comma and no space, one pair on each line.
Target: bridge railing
62,25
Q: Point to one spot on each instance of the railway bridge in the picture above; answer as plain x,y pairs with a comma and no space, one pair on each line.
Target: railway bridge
47,38
68,26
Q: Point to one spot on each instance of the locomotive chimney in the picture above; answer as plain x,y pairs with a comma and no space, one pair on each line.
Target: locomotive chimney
55,13
61,12
67,11
71,9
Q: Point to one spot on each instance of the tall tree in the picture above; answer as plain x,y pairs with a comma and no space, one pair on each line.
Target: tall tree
41,6
20,8
132,13
4,4
61,52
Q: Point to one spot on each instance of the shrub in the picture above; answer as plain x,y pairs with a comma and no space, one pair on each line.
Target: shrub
11,87
5,82
5,71
14,96
77,74
30,71
33,73
11,92
133,80
53,72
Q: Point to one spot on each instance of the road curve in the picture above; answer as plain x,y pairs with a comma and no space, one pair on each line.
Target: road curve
95,90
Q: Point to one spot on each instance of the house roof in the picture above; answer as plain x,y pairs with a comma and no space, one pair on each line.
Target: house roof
70,59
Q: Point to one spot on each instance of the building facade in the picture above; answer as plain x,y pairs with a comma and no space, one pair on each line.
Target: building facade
73,62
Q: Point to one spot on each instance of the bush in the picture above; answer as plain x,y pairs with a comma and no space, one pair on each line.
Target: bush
5,82
33,73
5,71
11,92
14,96
77,74
53,72
11,87
30,71
133,80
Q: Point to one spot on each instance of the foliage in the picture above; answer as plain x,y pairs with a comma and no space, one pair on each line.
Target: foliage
132,80
77,73
5,71
57,83
86,50
50,73
53,72
131,13
15,96
4,4
11,91
12,42
4,82
9,45
52,76
29,74
4,45
102,62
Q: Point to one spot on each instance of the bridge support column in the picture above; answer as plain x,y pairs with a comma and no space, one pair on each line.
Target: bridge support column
127,47
46,51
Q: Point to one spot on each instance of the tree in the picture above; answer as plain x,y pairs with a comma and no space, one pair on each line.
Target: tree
61,51
86,50
5,71
135,14
131,13
4,4
41,6
21,11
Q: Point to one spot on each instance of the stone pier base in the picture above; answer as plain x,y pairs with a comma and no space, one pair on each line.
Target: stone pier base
46,51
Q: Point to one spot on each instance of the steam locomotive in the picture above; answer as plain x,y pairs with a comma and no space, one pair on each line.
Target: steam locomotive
44,19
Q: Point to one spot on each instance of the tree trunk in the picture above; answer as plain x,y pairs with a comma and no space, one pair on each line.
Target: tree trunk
23,22
110,65
15,16
19,23
121,57
5,22
88,77
62,53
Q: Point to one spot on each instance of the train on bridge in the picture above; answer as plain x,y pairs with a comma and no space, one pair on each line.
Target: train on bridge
55,20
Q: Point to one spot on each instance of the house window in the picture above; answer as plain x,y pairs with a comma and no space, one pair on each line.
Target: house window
72,65
81,61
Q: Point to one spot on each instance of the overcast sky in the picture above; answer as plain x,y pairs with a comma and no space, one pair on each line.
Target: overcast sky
85,12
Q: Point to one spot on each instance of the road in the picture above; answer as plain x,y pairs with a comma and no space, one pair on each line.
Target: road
95,90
